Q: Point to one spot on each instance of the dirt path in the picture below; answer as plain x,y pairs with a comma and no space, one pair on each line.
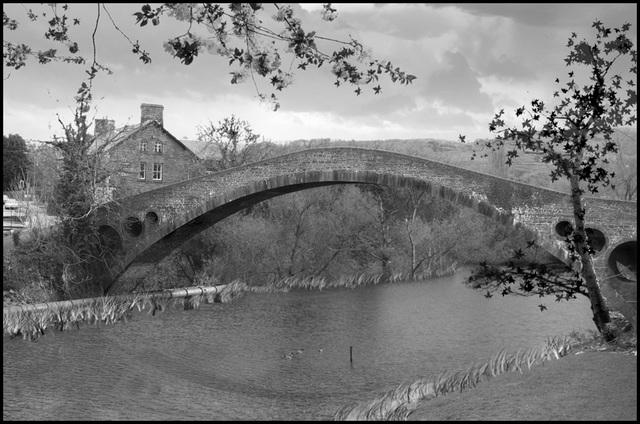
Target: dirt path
592,385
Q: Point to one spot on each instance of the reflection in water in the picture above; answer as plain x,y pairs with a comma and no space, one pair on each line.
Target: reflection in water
229,361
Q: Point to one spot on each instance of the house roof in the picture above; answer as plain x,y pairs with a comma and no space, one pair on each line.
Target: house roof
116,137
202,149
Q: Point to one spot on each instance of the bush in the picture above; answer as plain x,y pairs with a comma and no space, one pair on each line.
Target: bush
32,269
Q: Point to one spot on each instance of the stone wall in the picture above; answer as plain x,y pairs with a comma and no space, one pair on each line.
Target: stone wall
178,164
536,207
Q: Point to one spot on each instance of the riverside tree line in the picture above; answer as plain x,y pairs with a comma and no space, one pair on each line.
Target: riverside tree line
328,232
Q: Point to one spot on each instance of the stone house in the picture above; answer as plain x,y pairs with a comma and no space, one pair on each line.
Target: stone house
144,156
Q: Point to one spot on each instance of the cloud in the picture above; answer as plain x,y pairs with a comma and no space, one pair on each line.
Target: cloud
558,15
456,84
469,59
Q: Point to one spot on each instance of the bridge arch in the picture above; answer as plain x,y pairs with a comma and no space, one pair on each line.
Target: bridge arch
171,235
151,218
623,260
161,220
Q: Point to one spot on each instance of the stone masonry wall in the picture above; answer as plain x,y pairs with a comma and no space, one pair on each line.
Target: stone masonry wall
540,209
532,205
177,163
181,210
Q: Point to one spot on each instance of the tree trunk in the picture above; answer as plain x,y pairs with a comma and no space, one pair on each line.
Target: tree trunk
600,311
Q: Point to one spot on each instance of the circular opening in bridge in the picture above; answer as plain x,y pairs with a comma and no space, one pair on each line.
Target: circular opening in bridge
152,218
597,240
110,237
133,226
623,261
563,228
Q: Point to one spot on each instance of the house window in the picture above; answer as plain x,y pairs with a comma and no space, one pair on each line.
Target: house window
143,145
157,171
143,173
158,147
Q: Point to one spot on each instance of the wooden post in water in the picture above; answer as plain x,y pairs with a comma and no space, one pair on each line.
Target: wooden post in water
351,354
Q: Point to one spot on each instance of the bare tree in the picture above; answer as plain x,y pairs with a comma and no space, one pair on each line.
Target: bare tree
235,142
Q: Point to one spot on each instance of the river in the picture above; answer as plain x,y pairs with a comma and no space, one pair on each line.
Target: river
227,361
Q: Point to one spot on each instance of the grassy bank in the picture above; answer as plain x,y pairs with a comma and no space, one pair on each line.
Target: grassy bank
594,382
401,403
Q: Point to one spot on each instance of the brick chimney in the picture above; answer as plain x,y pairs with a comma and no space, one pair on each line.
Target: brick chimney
103,126
149,112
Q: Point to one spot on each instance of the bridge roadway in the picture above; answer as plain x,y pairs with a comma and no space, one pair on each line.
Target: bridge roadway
146,227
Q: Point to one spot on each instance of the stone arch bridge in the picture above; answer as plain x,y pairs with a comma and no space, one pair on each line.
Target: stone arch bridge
145,228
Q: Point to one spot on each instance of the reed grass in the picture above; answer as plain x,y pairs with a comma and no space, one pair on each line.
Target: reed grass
32,321
397,404
350,281
22,320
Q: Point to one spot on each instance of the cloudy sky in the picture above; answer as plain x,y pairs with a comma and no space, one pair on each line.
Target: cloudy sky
470,61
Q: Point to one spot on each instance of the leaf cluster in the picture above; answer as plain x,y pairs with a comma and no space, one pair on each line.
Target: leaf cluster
575,137
565,135
236,31
15,55
255,56
524,276
15,161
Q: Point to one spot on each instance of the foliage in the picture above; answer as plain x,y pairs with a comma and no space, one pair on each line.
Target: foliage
301,234
568,141
15,160
531,278
336,236
68,173
253,55
256,38
77,243
75,200
32,268
43,173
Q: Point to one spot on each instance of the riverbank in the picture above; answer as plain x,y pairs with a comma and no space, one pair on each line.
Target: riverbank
587,384
144,375
578,389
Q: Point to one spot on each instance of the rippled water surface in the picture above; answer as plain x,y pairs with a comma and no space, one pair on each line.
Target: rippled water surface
226,361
